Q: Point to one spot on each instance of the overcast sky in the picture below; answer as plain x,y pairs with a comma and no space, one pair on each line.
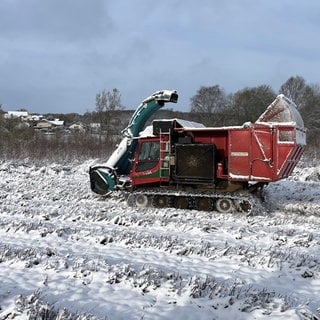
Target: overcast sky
56,55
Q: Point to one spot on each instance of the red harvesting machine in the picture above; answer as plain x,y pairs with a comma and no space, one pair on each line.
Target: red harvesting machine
183,164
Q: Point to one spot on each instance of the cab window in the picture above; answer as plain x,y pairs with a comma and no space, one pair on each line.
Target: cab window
149,155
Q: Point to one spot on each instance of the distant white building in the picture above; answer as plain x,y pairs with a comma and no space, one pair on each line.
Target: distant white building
35,117
43,125
78,127
48,125
16,114
57,122
95,127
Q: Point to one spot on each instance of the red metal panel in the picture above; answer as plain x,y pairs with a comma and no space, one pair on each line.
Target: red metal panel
287,151
239,154
263,168
217,137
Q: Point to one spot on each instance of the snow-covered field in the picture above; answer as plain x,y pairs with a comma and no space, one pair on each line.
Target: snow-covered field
66,254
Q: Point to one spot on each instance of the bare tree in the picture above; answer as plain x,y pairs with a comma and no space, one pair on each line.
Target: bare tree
311,109
249,103
307,98
208,103
295,89
106,104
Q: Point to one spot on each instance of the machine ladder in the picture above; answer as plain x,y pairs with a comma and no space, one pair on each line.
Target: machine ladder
165,142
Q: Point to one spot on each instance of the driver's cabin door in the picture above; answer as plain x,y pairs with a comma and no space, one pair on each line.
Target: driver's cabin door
146,165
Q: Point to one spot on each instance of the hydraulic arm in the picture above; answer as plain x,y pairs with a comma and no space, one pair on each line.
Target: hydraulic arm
104,178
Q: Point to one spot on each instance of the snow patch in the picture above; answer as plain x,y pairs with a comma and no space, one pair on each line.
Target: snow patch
67,254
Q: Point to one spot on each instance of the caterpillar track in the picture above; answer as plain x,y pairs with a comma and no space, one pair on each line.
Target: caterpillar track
243,202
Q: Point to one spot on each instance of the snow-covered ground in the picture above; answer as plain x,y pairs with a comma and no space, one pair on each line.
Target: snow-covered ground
67,254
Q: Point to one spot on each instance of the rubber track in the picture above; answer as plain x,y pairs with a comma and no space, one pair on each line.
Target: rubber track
255,203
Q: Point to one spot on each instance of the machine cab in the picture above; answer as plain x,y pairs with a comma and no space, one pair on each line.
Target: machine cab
146,164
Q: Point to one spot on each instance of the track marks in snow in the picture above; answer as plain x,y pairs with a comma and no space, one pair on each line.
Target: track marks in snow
67,240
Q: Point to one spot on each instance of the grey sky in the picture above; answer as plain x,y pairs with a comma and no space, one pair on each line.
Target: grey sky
55,55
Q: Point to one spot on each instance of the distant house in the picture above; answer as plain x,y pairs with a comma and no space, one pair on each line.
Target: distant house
95,127
43,125
47,125
16,114
35,117
57,122
78,127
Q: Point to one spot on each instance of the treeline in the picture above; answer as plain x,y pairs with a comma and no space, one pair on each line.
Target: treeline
210,105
